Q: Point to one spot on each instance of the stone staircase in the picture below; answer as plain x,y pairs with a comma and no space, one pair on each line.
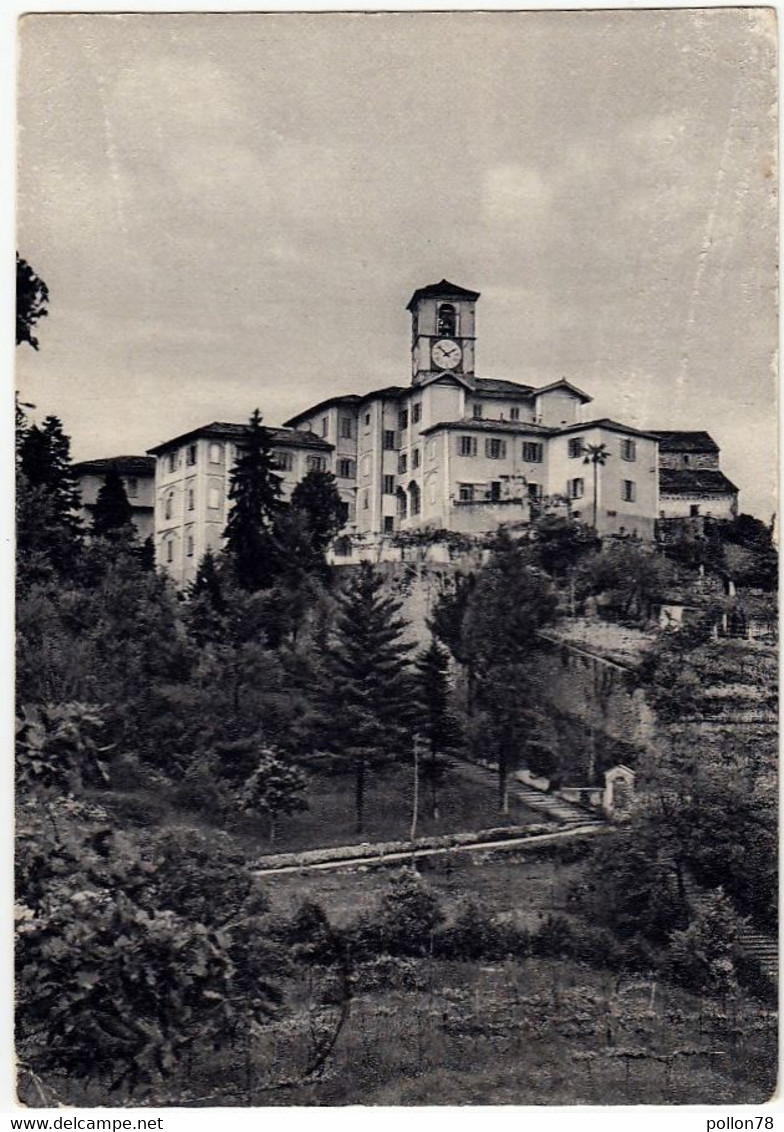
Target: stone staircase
764,948
548,805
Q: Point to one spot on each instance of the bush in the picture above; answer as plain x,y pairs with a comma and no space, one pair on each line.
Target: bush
137,809
555,939
473,934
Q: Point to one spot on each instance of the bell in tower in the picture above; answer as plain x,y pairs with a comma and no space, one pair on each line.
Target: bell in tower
443,322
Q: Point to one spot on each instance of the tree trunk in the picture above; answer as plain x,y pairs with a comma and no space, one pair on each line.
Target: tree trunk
503,785
359,795
595,500
433,794
272,829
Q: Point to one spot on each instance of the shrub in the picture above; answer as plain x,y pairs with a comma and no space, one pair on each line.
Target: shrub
555,939
473,934
137,809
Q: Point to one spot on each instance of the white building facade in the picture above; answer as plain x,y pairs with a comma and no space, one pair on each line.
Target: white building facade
453,451
192,481
450,451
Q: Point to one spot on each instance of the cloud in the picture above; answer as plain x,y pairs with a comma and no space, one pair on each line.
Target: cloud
514,194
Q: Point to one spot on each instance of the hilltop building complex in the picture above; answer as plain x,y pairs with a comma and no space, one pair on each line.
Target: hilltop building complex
448,451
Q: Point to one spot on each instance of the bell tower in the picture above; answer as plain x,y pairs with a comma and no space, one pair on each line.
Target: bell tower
443,331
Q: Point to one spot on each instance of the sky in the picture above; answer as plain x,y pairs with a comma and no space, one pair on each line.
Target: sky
232,211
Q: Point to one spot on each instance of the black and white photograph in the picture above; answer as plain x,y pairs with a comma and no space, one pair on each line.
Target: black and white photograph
396,622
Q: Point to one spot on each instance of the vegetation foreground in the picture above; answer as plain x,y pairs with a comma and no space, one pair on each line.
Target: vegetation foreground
165,740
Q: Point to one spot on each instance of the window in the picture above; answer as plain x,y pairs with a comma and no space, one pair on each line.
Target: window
402,503
514,413
446,326
495,491
389,524
346,469
416,499
316,463
215,454
402,464
575,447
495,449
367,420
325,426
190,457
173,461
416,413
346,428
466,493
168,505
169,551
284,461
416,458
628,491
694,510
628,450
189,546
402,419
191,498
213,498
389,439
532,452
365,499
468,446
576,488
686,461
534,490
344,511
132,487
477,411
389,485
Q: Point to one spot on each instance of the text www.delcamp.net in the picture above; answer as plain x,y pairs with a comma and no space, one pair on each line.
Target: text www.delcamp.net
85,1124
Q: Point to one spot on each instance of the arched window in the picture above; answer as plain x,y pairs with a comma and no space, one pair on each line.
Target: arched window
447,321
168,505
415,496
402,503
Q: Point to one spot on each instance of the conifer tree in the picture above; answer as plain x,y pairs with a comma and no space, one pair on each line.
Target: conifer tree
255,493
438,726
367,710
112,514
48,526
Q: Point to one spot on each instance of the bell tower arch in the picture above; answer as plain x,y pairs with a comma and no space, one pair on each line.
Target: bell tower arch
443,331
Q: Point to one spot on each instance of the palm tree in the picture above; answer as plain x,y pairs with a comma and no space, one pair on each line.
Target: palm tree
597,455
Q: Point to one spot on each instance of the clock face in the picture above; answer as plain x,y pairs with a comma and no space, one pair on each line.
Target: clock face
446,354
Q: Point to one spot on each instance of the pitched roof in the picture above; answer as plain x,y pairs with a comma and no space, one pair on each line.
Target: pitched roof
480,424
694,481
224,430
611,426
350,399
562,383
442,290
505,388
672,440
125,465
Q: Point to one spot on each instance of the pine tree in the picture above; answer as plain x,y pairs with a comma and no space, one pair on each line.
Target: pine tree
255,493
439,727
48,526
113,514
366,714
